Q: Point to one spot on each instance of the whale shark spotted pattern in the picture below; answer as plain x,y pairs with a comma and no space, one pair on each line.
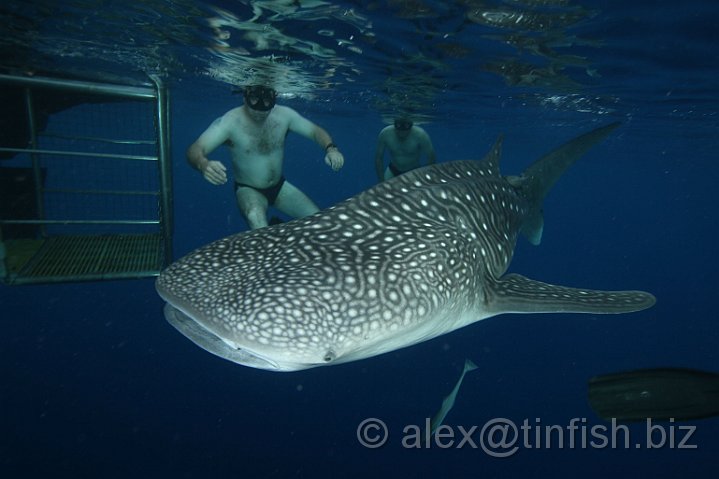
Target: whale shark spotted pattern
410,259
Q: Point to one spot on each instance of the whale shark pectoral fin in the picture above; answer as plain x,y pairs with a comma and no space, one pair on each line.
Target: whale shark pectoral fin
514,293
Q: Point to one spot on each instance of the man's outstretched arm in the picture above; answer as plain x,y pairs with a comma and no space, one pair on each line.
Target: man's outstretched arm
213,171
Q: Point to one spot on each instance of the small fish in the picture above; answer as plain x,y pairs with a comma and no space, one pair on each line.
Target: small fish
448,402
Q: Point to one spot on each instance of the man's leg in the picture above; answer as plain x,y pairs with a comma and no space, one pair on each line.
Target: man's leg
253,206
291,201
388,173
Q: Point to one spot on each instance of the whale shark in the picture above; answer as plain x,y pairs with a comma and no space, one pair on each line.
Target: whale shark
409,259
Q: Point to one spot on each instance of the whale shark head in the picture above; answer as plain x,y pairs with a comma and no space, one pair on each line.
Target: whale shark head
326,289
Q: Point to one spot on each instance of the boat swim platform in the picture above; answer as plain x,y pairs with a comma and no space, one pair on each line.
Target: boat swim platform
60,259
85,180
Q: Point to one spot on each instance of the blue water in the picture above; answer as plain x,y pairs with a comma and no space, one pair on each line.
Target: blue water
95,383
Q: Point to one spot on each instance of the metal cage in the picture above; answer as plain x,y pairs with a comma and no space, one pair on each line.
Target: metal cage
85,180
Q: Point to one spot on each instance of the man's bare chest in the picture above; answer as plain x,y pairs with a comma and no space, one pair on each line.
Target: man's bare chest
258,139
408,146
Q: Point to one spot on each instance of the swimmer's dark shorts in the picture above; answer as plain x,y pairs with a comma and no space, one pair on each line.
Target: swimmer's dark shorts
270,192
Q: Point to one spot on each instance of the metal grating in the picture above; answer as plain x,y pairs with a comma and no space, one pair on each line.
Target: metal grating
86,258
85,181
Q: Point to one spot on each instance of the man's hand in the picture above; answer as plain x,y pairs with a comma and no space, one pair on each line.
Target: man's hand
215,172
334,159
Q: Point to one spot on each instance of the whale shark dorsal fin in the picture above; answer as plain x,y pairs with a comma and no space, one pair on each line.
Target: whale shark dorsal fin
514,293
491,160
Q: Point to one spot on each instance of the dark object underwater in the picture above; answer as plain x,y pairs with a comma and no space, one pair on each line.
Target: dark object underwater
662,393
17,201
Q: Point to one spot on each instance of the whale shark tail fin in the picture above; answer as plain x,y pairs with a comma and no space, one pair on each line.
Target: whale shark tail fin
540,177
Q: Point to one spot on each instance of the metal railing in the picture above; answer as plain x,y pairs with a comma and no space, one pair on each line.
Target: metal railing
14,267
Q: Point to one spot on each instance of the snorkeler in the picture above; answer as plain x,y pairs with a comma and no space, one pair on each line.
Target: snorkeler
406,144
255,133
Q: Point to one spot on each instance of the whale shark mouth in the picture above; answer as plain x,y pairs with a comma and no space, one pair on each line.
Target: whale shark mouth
218,346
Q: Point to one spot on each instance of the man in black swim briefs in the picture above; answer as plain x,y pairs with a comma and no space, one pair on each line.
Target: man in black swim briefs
270,192
406,143
255,133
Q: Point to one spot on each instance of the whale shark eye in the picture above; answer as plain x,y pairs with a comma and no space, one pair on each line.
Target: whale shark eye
329,356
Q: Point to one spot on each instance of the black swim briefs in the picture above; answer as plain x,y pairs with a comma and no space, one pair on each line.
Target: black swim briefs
396,171
270,192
